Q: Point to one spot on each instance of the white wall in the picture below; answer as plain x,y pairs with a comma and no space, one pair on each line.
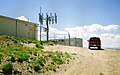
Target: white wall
7,26
19,28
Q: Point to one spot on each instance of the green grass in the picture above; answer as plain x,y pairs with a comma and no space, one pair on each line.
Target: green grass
1,57
48,61
101,74
8,66
12,51
23,56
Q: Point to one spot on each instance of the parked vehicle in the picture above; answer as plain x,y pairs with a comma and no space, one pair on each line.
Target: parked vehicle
94,43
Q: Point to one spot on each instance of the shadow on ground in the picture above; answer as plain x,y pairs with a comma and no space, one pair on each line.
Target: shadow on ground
97,49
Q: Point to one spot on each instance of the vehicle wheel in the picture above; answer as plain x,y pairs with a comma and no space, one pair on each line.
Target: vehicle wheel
99,47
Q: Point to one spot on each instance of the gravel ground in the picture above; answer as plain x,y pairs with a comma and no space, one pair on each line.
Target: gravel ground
88,62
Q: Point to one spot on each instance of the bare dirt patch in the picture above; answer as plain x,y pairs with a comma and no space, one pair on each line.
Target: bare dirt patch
88,62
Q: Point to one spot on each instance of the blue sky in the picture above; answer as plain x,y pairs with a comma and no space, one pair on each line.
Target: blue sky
70,12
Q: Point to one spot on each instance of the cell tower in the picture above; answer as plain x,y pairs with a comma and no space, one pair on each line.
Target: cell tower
50,19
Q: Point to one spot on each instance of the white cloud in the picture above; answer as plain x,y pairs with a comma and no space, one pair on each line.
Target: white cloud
108,34
111,27
110,40
56,31
57,34
23,18
94,28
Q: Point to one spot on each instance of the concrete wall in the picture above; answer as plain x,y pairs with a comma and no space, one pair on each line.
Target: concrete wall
62,41
76,42
36,32
7,26
18,28
73,42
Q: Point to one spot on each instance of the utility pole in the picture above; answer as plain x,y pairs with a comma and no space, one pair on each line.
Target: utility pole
40,22
49,20
69,38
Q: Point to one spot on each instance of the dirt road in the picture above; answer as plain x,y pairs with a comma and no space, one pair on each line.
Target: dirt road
88,62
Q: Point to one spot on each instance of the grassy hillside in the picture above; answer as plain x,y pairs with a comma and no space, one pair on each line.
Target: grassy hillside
26,57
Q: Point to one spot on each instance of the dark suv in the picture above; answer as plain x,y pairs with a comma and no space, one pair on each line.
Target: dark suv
94,42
